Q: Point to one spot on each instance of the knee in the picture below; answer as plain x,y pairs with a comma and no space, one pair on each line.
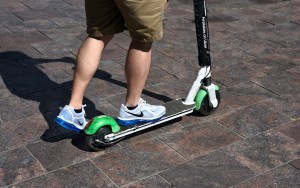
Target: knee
105,39
143,46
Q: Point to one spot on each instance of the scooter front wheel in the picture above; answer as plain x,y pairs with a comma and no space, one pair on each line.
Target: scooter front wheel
203,105
97,141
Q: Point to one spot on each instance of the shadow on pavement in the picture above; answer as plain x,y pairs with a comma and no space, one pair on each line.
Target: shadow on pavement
24,77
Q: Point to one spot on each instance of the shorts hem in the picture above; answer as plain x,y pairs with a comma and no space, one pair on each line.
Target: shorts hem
96,33
147,39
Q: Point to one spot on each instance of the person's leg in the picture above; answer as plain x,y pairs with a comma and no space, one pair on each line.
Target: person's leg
72,116
103,20
137,66
88,59
144,22
136,69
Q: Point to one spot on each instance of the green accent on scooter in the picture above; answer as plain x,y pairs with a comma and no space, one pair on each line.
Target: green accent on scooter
100,121
200,96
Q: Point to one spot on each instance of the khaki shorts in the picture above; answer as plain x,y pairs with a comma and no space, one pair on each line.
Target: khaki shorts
143,18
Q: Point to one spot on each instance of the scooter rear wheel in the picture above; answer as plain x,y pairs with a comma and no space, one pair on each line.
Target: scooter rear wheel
97,141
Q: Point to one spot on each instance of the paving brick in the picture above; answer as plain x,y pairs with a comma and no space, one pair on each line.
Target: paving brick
259,35
64,34
271,64
99,106
106,87
21,51
221,18
229,57
45,4
265,1
137,162
113,51
22,37
244,13
10,6
10,68
221,34
175,11
246,26
157,76
22,85
280,104
67,22
284,176
233,5
38,14
31,25
69,150
153,181
20,132
51,99
279,84
216,169
84,174
52,63
289,41
231,75
51,48
18,165
178,51
274,19
295,21
296,69
292,130
74,2
77,12
261,48
177,89
122,40
244,94
296,164
151,134
264,151
4,29
17,108
4,92
289,52
199,139
8,17
179,24
182,68
253,119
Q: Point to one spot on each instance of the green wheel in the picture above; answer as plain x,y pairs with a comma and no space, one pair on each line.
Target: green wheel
202,103
97,141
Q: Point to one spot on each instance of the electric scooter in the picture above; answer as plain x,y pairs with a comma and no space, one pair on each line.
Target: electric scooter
203,97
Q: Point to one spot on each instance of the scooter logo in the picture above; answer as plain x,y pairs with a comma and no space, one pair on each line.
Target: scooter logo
204,32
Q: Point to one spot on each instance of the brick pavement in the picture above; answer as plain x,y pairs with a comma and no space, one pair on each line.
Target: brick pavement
252,140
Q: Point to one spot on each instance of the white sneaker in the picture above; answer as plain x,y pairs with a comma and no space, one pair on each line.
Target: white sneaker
143,113
69,119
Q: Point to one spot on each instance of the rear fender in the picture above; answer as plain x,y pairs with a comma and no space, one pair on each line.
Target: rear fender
100,121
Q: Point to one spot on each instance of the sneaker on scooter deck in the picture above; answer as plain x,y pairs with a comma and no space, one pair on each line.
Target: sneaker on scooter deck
71,120
143,113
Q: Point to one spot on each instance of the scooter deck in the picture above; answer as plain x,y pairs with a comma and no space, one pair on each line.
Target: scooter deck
174,109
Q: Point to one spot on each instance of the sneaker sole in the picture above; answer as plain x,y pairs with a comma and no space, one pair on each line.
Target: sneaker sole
66,125
136,121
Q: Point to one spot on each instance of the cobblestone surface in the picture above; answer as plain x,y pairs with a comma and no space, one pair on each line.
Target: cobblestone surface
252,140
